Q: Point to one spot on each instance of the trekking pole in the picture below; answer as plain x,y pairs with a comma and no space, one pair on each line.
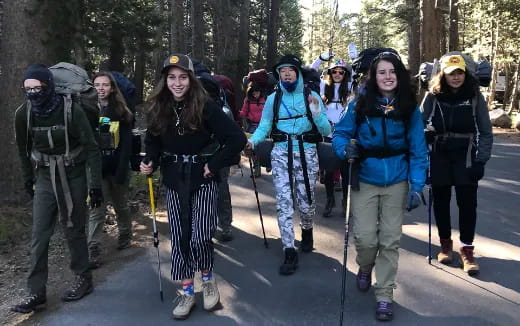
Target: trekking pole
430,203
155,233
347,220
257,200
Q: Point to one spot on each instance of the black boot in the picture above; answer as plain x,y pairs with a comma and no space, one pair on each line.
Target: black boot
81,286
331,202
290,263
94,256
32,302
307,241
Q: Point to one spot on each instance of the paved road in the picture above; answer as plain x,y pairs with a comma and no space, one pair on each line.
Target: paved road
253,293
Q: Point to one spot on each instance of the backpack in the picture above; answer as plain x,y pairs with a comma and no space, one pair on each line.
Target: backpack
127,88
481,70
311,79
362,63
258,77
73,82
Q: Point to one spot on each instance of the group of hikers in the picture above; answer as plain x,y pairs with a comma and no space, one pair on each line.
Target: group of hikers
375,129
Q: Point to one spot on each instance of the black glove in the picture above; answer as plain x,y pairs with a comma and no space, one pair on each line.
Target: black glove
429,136
414,199
476,171
351,151
96,197
29,188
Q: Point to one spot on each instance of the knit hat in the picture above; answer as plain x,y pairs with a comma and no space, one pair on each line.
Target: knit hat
178,60
288,60
39,72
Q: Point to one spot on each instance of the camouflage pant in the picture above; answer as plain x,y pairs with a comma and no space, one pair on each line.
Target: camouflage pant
284,199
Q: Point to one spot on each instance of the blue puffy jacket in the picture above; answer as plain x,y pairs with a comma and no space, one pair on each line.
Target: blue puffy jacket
291,104
390,170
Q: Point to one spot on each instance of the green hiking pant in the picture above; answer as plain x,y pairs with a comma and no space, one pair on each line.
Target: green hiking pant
45,215
117,194
377,216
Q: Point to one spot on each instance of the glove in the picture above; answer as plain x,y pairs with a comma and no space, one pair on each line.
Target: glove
315,108
476,171
29,188
326,56
414,199
96,197
248,149
351,151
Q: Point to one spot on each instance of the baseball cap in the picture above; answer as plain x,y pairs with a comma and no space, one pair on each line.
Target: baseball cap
178,60
451,63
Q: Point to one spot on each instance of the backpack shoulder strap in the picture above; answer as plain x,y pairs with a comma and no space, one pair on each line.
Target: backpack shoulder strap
276,105
306,92
474,104
67,119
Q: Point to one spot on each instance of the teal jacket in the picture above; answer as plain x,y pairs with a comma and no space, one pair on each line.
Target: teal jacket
387,171
292,104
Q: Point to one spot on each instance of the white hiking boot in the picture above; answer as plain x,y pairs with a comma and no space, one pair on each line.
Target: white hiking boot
210,294
184,306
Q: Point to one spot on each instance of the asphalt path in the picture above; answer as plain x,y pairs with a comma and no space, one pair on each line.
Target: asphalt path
253,293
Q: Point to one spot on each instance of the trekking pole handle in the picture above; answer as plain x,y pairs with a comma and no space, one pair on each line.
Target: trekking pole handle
353,142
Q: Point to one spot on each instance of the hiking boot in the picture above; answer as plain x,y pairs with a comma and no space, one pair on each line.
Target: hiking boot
331,202
468,260
225,235
210,294
94,257
445,256
184,306
32,302
307,243
364,280
124,241
384,311
81,286
290,263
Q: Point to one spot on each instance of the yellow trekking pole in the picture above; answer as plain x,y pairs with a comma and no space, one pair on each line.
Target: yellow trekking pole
155,233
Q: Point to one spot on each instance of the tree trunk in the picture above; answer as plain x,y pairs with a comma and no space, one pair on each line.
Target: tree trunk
158,54
80,48
178,41
272,33
454,26
414,37
494,64
430,22
261,45
197,21
24,33
243,49
117,49
513,99
140,65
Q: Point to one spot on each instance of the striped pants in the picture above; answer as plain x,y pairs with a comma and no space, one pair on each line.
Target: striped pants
203,204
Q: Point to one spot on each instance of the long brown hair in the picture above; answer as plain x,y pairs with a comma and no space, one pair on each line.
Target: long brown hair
161,104
438,84
343,90
116,99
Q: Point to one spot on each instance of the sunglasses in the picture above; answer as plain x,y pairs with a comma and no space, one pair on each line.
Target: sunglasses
341,72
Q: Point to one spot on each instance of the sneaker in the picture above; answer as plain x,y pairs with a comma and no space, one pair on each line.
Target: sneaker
124,242
184,306
469,263
445,256
364,280
81,286
94,257
384,311
225,235
290,263
210,294
307,243
32,302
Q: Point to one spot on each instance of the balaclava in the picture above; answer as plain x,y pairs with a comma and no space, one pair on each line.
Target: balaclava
45,101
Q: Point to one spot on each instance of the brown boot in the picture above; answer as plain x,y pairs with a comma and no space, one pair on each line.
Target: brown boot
468,261
445,256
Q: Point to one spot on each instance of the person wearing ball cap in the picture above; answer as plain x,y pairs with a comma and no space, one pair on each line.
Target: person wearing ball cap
192,139
459,129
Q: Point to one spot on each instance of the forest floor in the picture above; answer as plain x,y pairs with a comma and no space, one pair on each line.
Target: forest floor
15,235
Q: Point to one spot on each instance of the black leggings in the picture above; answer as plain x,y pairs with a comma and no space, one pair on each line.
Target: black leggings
329,181
467,203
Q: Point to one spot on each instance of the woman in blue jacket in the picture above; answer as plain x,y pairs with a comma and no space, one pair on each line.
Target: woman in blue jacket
295,128
391,155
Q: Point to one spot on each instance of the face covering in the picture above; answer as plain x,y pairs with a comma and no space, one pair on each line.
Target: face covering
290,86
44,102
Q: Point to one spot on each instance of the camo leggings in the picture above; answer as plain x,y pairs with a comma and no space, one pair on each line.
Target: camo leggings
284,199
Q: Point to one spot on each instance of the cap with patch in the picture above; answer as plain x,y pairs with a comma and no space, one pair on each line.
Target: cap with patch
178,60
451,63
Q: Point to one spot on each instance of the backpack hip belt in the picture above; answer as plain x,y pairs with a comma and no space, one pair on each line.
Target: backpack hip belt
469,136
309,137
183,158
381,153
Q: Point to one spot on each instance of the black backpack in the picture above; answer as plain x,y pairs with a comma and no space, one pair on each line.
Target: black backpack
362,63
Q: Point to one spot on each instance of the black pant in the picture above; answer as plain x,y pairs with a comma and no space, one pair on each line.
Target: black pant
467,203
329,181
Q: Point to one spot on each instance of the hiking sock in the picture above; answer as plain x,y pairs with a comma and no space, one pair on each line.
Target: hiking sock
206,275
188,288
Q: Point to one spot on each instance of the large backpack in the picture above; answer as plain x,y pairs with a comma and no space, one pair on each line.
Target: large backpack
73,81
362,63
127,88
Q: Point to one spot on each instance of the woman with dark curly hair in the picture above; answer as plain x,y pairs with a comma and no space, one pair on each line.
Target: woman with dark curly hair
382,132
192,139
459,129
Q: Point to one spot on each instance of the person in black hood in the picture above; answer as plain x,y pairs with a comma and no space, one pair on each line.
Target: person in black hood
460,133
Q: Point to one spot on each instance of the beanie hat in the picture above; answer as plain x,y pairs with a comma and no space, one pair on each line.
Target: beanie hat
178,60
288,60
39,72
